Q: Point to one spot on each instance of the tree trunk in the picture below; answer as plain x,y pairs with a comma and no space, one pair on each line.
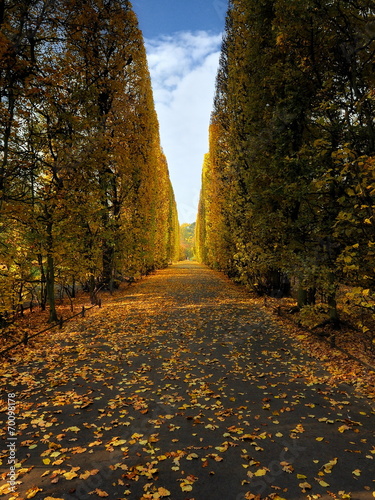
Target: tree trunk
305,297
92,289
43,295
50,284
73,288
108,269
331,301
332,309
301,297
5,141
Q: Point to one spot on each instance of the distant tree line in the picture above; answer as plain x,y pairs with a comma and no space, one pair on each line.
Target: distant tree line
288,184
187,241
85,194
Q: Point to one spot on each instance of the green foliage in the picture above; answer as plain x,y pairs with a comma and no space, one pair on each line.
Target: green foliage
187,241
288,184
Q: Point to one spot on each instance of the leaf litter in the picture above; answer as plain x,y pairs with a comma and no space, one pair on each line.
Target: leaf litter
182,385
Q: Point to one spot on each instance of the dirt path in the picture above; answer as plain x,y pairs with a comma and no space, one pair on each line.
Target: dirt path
181,388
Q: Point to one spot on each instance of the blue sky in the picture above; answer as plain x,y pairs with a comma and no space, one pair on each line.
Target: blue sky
164,17
183,39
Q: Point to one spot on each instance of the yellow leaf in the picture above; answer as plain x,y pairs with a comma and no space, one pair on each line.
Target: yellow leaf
356,472
260,472
53,498
343,428
186,487
163,492
119,442
299,428
221,448
345,495
328,467
70,475
305,486
319,438
94,443
323,483
74,428
247,436
5,488
32,492
58,462
301,476
136,435
46,461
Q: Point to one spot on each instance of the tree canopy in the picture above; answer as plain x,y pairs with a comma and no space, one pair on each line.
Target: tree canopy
85,193
288,184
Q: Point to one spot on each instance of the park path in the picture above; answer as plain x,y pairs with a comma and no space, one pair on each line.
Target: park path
180,388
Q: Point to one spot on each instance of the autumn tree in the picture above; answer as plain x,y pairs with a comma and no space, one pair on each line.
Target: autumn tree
292,146
85,189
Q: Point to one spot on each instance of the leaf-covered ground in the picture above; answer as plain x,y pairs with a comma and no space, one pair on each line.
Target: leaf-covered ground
182,387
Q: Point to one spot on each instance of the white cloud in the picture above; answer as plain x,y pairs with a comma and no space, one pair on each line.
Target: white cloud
183,69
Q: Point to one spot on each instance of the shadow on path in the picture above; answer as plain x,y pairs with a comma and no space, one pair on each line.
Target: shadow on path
182,388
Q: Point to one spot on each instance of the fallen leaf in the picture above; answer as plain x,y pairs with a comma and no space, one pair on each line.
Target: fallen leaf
163,492
343,428
99,492
328,466
260,472
70,475
323,483
31,492
305,486
186,487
